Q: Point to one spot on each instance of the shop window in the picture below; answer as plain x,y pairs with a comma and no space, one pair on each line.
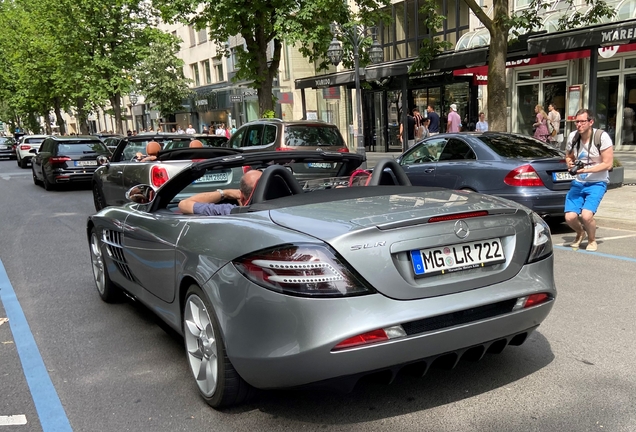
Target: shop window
527,99
527,75
555,72
630,63
609,65
629,111
606,109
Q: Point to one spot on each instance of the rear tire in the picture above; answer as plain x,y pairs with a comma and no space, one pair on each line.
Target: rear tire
23,163
107,290
47,185
218,382
98,198
35,178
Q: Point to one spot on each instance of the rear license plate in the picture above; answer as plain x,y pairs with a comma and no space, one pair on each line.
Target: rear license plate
323,165
562,176
216,177
464,256
86,163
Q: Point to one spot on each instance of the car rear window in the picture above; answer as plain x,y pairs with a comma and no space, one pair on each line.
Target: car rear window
306,135
519,147
81,147
34,140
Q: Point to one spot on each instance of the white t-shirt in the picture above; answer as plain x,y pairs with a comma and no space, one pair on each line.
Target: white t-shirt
190,131
594,156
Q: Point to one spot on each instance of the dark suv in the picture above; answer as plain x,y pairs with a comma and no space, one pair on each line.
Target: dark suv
279,135
67,159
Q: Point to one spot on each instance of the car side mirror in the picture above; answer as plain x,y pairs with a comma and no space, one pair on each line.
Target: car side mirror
103,160
141,194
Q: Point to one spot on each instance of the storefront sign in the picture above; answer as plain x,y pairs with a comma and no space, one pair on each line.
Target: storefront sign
331,93
608,51
323,82
286,98
201,102
575,101
622,35
236,98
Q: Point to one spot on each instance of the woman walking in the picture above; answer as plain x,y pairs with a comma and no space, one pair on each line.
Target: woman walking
541,125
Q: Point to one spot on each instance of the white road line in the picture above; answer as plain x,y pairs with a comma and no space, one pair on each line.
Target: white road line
601,238
13,420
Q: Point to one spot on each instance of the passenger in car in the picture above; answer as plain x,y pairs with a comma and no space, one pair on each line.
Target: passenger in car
207,203
195,144
152,150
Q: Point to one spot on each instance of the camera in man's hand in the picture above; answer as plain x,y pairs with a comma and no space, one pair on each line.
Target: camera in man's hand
576,167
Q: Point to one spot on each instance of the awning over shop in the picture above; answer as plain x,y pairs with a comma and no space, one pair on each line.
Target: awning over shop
615,33
328,80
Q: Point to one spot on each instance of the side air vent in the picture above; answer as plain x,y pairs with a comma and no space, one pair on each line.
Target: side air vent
113,242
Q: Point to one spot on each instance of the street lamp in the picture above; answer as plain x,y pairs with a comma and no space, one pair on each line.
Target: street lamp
133,99
355,35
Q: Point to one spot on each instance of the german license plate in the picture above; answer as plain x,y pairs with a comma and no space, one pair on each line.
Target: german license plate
463,256
320,165
562,176
86,163
213,177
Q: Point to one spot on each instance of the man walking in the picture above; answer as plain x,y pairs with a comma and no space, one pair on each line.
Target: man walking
433,117
454,120
590,183
419,124
410,132
554,121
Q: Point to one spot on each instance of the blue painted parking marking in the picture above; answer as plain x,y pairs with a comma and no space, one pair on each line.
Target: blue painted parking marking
47,403
604,255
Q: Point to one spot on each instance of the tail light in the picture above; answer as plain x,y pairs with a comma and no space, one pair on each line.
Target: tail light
25,147
374,336
524,175
541,241
306,270
59,159
456,216
158,175
343,150
531,300
285,149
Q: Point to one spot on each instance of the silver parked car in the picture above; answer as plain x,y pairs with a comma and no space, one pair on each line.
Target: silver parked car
122,171
325,286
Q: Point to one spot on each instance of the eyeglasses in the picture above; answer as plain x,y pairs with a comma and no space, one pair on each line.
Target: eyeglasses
581,121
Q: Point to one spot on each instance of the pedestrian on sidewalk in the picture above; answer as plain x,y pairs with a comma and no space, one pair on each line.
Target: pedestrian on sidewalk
554,122
482,124
410,132
419,124
541,124
454,120
433,118
591,179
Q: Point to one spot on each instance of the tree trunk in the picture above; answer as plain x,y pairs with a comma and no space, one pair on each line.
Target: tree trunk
58,116
47,123
497,95
82,116
115,103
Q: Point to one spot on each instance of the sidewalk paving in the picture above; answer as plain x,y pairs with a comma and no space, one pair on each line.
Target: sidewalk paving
618,208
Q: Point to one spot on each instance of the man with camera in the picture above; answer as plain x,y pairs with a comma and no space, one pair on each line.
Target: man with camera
589,155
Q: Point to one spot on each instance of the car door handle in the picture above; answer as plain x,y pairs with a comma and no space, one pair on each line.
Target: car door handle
429,170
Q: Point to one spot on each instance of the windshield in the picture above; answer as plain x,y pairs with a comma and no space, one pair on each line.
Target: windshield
519,147
318,135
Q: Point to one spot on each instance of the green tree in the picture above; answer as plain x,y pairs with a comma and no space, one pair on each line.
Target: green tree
264,25
159,76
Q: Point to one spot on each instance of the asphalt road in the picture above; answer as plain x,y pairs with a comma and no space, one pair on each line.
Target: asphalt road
114,368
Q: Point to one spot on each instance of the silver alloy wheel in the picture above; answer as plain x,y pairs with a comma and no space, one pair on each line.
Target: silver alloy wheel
98,264
201,346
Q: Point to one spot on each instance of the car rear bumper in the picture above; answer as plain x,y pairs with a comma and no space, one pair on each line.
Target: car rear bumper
73,176
277,341
544,202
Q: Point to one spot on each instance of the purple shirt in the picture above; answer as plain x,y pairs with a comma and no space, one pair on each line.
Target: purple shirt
212,209
453,121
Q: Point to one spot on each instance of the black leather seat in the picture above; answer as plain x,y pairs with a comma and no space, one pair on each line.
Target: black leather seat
387,172
276,182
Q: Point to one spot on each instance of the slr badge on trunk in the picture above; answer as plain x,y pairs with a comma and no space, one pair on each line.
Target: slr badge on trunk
368,245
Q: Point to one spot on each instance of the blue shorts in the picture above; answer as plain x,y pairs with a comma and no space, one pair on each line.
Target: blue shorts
584,196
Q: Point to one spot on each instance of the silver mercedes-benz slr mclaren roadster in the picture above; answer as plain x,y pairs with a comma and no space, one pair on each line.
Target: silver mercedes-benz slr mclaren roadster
323,282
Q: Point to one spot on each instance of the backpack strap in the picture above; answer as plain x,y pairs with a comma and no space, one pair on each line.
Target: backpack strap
597,139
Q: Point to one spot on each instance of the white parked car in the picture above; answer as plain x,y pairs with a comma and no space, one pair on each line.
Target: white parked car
27,148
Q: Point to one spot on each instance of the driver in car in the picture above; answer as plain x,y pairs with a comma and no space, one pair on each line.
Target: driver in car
207,203
152,150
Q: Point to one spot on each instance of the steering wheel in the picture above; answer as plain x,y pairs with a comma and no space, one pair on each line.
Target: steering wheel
427,158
